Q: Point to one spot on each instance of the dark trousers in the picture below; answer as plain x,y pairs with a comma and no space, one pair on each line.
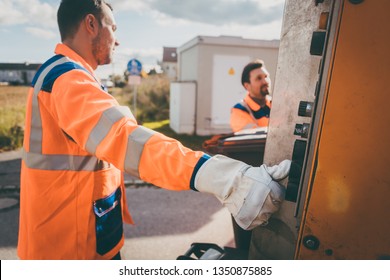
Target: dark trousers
117,256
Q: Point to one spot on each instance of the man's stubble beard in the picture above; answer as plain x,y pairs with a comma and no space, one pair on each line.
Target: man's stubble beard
98,52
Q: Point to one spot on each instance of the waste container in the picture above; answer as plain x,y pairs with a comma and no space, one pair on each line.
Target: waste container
248,146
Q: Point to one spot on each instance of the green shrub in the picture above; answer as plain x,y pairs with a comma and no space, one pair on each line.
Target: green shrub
152,98
12,115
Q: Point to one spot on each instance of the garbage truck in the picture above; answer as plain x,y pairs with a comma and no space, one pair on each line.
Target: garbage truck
330,115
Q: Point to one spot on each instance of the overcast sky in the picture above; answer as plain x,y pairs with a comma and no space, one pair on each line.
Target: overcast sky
29,32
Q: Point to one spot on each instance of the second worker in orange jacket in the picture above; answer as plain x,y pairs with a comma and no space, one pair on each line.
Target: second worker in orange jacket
254,110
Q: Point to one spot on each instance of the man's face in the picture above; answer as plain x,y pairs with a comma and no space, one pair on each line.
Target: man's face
105,42
259,84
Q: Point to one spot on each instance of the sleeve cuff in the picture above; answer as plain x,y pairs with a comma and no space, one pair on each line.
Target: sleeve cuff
200,162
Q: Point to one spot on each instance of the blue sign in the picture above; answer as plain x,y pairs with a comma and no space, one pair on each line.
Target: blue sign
134,67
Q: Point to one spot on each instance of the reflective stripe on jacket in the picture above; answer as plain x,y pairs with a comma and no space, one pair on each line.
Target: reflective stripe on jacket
248,114
78,141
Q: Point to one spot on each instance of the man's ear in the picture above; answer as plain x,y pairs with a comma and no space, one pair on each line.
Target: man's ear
246,86
91,24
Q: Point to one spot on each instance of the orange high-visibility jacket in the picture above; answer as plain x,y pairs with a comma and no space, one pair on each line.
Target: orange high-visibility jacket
78,142
248,114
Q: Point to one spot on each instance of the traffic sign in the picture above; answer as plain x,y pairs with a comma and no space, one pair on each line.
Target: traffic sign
134,67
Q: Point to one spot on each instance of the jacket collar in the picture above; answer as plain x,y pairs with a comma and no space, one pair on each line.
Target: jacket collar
253,105
63,49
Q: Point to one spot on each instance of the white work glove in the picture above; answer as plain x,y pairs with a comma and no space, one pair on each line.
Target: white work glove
250,193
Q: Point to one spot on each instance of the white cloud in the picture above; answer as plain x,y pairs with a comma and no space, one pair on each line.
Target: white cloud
9,15
267,31
216,12
133,5
270,3
166,20
138,52
32,12
148,25
41,33
42,14
188,19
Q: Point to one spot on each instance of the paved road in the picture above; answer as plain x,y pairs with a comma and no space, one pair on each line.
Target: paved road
167,222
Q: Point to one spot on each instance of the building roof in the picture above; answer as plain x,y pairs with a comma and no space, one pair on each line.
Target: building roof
229,41
19,66
169,55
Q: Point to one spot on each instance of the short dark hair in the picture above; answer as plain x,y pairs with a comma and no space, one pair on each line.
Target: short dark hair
258,63
72,12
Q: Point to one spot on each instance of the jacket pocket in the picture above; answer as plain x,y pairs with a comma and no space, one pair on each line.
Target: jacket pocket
109,224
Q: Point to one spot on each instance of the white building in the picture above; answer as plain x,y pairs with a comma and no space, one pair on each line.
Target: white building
209,81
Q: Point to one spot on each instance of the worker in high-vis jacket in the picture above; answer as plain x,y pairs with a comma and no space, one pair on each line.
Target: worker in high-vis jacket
79,141
254,110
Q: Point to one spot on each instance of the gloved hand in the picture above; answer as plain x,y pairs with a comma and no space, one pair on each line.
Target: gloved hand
250,193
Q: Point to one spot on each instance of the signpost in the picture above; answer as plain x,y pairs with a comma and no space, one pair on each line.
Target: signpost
134,67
